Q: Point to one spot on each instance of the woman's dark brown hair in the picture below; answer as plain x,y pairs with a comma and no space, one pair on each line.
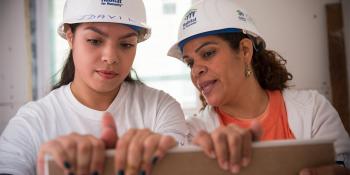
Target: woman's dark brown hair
67,74
268,66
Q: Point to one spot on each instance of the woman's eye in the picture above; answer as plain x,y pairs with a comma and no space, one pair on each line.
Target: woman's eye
209,54
189,63
94,42
127,45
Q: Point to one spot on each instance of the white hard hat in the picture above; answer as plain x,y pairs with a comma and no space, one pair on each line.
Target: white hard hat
209,17
128,12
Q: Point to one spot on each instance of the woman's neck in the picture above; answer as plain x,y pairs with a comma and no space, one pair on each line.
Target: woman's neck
250,102
91,98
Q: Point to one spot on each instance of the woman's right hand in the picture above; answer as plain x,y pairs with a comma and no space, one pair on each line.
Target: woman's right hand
74,153
231,145
80,154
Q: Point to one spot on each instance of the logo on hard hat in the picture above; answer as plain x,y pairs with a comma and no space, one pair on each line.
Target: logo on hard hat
189,19
244,17
241,15
112,2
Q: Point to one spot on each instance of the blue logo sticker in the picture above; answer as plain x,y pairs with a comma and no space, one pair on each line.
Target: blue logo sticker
189,19
112,2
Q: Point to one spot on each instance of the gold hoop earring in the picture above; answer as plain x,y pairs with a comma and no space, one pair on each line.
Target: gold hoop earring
248,71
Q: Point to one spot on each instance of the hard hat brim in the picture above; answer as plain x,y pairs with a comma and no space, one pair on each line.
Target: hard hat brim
177,49
144,31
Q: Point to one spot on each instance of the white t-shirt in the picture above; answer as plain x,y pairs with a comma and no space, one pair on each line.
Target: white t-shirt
60,113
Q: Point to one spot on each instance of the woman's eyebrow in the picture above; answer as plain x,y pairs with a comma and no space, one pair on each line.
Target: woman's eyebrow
200,47
97,31
94,29
104,34
128,35
205,44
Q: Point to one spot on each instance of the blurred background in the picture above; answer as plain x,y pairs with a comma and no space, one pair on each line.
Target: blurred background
312,35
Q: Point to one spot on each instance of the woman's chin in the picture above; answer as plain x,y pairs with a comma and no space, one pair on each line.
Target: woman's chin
212,101
105,88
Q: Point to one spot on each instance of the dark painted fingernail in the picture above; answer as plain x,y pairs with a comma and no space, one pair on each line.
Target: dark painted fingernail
66,165
95,173
121,172
70,173
154,160
142,172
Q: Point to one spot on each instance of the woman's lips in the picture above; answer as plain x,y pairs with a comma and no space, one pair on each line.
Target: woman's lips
206,86
107,74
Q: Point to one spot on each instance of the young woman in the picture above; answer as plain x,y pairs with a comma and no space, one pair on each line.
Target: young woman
95,101
244,90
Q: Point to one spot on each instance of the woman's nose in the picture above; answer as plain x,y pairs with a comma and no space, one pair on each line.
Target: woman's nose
199,70
110,59
110,56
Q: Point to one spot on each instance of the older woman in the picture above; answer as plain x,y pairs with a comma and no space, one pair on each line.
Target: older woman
244,89
96,101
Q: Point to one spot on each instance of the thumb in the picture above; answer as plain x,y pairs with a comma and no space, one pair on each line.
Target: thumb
256,130
40,166
109,131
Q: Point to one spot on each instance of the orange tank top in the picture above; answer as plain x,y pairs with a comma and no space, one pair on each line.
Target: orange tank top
274,120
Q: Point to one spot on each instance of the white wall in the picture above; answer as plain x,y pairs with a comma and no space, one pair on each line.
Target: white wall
15,65
43,47
296,29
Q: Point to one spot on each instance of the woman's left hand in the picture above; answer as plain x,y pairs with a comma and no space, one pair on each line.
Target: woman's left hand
231,145
139,149
326,170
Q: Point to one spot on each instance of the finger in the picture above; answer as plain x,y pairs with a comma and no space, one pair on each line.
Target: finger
70,146
40,164
256,129
84,154
203,140
220,145
150,147
235,145
57,152
109,133
165,143
135,151
162,144
247,147
98,155
121,151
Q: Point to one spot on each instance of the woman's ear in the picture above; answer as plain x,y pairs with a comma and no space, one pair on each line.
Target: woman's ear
246,48
69,36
